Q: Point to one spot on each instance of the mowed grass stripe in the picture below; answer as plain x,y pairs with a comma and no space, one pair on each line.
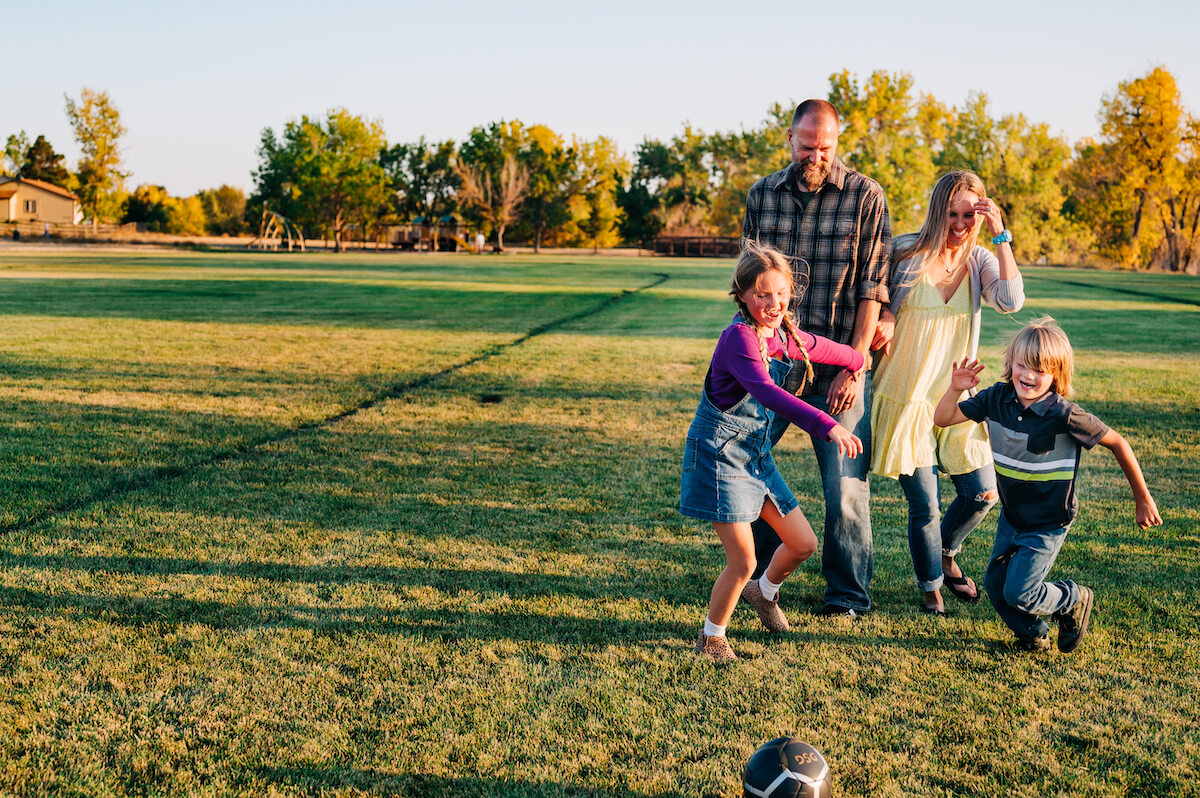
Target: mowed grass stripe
130,483
1130,291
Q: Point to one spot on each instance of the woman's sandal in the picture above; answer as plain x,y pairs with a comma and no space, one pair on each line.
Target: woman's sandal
933,611
960,587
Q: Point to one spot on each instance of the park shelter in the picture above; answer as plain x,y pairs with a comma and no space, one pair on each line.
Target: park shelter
24,200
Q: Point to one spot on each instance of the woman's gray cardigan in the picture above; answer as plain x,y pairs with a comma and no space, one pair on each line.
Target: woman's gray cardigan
1006,296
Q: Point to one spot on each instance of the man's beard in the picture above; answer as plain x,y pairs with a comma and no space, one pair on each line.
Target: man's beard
812,176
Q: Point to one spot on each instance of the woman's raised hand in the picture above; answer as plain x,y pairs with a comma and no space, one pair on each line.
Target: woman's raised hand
847,442
965,375
991,211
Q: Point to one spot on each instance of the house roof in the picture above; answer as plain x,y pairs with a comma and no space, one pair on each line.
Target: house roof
6,193
42,184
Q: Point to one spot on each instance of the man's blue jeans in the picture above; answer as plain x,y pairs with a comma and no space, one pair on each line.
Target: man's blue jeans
1016,575
847,560
929,540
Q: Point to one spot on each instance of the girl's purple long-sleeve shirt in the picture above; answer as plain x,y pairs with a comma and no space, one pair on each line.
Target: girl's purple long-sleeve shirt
738,369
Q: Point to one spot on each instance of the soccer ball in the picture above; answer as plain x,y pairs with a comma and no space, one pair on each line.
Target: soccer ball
786,768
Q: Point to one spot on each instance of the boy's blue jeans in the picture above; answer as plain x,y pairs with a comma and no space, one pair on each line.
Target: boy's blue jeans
929,540
1016,574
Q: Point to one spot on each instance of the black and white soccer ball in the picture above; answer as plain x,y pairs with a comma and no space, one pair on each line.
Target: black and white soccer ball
786,768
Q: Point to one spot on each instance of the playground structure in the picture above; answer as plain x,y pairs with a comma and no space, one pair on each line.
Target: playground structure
422,235
273,229
446,234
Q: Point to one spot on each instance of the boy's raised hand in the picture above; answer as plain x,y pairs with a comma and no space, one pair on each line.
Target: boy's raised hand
965,375
847,442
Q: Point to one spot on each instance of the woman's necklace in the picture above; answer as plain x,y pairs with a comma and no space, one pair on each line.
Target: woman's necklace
945,268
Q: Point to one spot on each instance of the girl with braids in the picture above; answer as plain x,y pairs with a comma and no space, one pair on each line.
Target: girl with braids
729,476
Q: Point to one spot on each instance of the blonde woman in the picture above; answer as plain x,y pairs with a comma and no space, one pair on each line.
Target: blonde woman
940,279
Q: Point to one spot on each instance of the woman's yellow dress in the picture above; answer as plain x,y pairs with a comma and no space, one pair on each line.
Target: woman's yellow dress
930,336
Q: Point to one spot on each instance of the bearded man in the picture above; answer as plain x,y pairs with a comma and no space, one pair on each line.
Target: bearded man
833,225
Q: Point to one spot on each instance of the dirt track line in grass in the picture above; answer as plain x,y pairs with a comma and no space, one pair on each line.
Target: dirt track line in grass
131,483
1130,291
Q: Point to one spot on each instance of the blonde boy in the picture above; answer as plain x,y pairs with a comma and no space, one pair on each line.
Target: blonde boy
1036,437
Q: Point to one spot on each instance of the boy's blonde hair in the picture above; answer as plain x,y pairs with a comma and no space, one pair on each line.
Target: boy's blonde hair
1043,346
758,259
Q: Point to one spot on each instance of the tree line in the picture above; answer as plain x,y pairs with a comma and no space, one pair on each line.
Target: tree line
1130,197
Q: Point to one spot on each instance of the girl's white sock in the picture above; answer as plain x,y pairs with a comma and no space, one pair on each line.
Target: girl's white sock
712,630
769,589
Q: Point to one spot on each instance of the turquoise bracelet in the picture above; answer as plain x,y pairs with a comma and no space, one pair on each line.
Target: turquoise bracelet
1003,238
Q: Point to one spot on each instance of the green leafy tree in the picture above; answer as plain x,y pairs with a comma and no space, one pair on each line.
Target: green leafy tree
14,153
639,198
323,174
186,216
552,168
689,184
640,220
98,130
1024,168
156,211
43,163
596,215
738,160
147,206
675,183
224,209
1138,188
882,138
422,180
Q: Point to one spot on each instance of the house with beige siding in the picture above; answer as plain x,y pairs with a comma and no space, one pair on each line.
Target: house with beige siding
23,200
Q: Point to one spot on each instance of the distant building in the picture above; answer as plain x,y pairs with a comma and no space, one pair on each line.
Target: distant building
23,200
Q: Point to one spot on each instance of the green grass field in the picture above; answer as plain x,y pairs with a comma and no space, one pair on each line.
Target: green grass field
389,525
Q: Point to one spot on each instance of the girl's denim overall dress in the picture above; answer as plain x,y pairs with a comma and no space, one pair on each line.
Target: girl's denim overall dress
727,465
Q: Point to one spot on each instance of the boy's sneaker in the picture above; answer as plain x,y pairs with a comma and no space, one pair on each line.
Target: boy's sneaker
1073,624
715,648
768,611
1036,644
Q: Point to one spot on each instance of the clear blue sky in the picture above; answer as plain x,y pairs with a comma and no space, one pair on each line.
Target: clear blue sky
197,83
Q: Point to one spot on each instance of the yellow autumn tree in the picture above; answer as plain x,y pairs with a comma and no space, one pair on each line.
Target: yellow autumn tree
1138,186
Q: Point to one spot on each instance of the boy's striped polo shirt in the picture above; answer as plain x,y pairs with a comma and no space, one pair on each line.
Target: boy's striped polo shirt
1036,450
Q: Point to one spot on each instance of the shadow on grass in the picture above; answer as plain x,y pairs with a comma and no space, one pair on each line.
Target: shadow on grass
57,455
439,624
412,784
448,581
597,630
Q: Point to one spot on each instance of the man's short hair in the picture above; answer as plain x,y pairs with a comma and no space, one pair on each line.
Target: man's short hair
822,108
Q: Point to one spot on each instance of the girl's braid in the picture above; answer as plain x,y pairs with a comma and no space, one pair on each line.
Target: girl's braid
744,312
794,331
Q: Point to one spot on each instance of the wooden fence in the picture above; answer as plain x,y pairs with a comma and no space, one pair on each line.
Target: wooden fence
696,246
19,230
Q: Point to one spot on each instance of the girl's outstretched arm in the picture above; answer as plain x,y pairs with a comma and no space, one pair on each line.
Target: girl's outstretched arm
829,352
1146,511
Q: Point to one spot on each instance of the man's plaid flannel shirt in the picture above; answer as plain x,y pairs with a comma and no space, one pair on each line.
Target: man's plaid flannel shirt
839,245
